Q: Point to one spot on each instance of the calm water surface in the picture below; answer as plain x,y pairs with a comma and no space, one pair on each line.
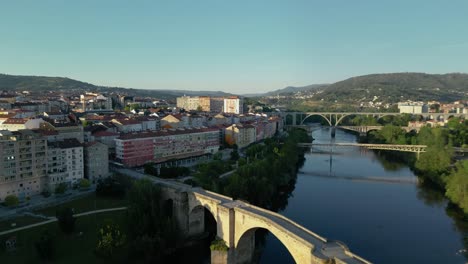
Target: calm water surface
384,222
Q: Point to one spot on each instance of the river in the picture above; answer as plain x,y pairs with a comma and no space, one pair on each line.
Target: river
373,205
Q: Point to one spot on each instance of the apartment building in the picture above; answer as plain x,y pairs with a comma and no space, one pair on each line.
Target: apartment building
90,101
136,149
65,162
189,102
240,134
96,157
15,124
23,163
413,107
128,125
216,104
233,105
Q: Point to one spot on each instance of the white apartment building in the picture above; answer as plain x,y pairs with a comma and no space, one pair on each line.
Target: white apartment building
233,105
65,162
413,108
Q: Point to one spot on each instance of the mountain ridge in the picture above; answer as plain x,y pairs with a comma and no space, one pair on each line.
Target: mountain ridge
46,83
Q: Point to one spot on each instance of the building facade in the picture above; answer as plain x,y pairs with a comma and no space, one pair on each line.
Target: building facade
65,162
96,157
140,148
413,108
233,105
23,163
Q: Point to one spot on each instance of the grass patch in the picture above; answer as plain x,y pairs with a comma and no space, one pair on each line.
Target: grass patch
19,221
74,248
86,204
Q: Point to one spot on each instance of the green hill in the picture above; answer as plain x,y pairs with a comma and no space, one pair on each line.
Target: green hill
395,87
39,84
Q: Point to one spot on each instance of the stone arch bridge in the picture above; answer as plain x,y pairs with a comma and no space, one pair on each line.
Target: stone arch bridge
236,222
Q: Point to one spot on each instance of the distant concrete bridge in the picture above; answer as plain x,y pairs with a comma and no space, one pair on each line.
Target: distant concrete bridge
236,222
404,148
363,130
335,118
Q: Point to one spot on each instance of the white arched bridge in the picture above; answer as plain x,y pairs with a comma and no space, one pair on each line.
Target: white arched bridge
237,221
335,118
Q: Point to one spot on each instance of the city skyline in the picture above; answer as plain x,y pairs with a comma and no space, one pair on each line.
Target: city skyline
237,47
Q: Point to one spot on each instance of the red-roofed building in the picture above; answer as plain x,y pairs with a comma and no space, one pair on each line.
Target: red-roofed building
127,125
136,149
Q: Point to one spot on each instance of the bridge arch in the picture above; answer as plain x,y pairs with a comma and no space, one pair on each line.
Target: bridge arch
246,223
338,121
245,246
318,114
202,220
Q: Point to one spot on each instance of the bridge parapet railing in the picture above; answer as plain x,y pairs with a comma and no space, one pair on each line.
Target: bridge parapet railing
219,198
289,221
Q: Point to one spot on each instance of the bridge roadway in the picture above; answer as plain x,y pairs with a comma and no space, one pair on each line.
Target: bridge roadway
364,129
339,116
404,148
236,220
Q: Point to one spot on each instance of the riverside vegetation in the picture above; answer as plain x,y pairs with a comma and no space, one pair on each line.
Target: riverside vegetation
268,169
438,164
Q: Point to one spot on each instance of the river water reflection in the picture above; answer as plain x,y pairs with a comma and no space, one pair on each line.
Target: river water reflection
346,196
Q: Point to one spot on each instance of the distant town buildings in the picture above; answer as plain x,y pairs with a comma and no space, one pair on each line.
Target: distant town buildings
91,101
59,138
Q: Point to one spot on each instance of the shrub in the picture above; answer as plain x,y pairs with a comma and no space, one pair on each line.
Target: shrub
110,187
60,188
84,183
11,200
110,238
218,245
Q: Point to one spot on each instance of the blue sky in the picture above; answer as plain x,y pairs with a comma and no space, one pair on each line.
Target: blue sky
235,46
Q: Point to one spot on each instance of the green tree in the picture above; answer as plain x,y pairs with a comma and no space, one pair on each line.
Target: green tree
60,188
457,185
151,169
11,200
234,154
150,228
438,156
110,238
66,220
84,183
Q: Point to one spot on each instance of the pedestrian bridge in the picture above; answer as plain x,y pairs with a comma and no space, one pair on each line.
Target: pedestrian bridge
405,148
363,130
236,222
